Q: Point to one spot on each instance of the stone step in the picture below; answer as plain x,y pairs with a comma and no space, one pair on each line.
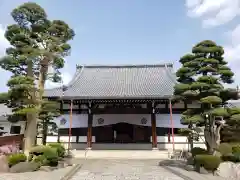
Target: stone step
121,154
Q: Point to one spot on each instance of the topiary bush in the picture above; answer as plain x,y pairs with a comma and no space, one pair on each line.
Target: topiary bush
225,149
236,149
51,156
197,150
235,158
16,158
38,150
45,155
41,160
209,162
60,148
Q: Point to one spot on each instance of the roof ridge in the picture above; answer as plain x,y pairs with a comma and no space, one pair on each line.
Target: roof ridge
127,66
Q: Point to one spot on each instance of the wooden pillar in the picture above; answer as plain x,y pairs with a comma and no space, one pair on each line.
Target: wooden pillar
89,131
172,125
153,122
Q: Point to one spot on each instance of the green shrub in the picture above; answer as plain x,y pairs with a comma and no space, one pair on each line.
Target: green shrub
16,158
51,156
45,155
236,149
41,160
231,157
197,150
209,162
225,149
38,150
60,148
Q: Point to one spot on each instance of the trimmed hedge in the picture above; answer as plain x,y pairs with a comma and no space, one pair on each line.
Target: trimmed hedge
231,157
60,148
197,150
38,150
45,155
225,149
236,149
209,162
16,158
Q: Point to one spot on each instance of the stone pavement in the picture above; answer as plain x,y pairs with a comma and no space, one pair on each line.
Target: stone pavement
123,169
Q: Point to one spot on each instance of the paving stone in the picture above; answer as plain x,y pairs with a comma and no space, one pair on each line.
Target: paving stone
123,170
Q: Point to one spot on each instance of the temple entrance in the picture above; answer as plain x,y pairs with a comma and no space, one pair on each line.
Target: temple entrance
123,133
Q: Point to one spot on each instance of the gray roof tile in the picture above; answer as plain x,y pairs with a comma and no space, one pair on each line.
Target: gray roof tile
135,81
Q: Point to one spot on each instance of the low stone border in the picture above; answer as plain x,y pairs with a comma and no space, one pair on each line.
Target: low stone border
71,172
177,173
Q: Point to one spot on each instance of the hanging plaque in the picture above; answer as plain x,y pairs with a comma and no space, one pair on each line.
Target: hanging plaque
63,121
143,121
100,121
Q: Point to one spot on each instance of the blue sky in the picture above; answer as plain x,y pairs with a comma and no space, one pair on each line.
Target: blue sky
137,31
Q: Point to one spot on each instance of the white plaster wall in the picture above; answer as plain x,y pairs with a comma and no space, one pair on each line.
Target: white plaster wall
164,120
73,139
78,121
7,126
118,118
81,120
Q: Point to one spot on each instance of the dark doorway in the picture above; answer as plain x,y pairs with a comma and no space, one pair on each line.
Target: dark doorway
123,132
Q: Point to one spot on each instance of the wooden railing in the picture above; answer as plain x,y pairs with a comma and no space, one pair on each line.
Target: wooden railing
10,140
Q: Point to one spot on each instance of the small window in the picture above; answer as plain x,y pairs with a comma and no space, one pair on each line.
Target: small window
1,128
15,129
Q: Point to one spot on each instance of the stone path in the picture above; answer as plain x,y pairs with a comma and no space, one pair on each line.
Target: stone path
122,170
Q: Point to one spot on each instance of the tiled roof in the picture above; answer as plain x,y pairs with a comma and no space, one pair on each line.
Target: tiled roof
132,81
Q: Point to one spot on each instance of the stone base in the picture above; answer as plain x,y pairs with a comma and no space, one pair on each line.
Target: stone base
89,148
155,149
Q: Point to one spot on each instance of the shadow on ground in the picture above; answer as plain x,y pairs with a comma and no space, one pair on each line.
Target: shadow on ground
173,163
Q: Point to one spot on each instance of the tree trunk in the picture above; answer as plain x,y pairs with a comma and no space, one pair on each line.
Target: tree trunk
190,140
44,132
212,138
30,133
41,86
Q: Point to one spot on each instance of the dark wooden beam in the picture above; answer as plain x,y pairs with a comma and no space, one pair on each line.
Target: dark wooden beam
153,123
89,132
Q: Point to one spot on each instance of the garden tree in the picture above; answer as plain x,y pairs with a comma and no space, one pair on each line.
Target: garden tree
49,110
37,44
201,79
231,131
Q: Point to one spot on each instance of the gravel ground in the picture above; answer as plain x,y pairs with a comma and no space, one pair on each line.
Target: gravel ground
122,170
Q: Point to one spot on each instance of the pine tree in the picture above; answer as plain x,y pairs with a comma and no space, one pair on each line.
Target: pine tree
49,111
37,44
201,80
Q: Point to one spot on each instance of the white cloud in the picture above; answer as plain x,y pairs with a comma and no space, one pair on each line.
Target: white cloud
213,12
4,74
66,78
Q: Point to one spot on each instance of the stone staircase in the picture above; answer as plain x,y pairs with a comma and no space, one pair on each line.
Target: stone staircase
121,154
